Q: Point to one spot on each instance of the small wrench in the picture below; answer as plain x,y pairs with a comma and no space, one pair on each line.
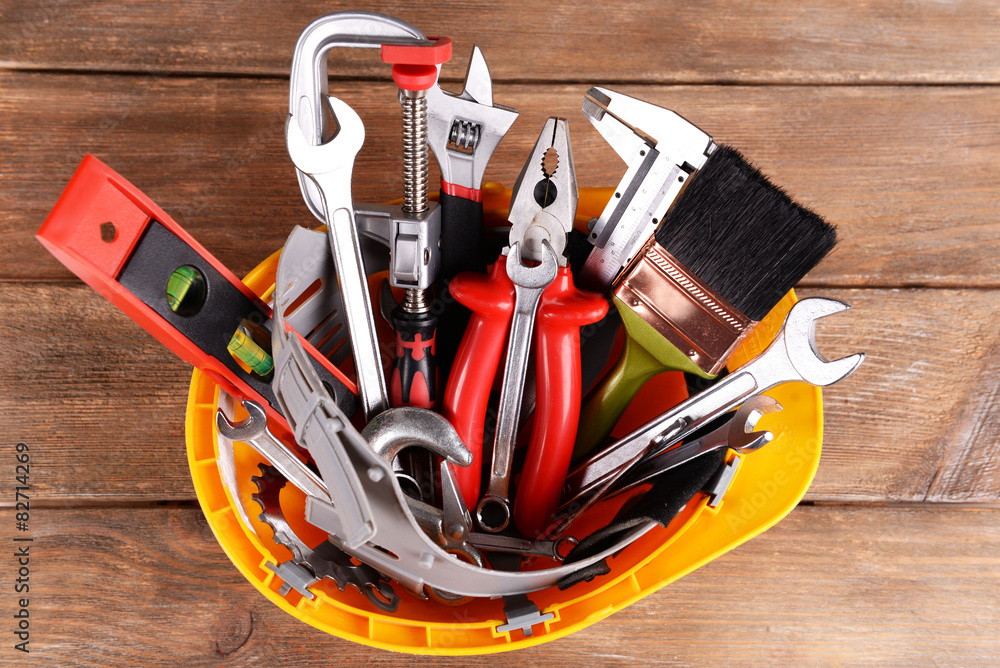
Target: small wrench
254,432
792,356
329,166
738,433
551,549
493,511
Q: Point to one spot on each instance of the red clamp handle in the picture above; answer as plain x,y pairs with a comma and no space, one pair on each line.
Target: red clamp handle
491,300
562,310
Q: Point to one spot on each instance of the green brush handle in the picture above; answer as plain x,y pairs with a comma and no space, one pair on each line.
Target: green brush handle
646,354
605,404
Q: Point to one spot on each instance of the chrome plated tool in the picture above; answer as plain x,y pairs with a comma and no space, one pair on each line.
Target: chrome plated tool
330,166
309,86
463,130
493,511
792,356
661,150
738,434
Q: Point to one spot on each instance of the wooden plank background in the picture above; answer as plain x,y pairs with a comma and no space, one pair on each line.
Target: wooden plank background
882,116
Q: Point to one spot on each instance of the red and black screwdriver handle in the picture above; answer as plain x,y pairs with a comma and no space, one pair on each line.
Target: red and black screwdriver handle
414,377
562,310
490,298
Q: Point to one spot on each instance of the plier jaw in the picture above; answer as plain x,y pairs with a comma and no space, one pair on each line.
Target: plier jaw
544,199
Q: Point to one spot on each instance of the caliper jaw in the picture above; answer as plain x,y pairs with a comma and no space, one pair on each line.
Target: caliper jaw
661,150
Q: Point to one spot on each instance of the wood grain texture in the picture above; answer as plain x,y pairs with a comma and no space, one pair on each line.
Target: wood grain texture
103,403
636,41
828,586
908,173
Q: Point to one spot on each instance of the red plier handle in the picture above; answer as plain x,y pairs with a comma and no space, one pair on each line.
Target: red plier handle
491,299
562,310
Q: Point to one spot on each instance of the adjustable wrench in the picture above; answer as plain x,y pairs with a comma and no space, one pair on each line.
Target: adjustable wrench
792,356
463,131
329,166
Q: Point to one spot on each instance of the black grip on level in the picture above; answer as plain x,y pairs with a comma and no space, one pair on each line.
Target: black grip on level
414,373
156,255
462,236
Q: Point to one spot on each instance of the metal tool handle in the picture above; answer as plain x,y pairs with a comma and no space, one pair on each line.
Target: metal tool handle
491,300
493,510
696,411
346,246
562,310
792,356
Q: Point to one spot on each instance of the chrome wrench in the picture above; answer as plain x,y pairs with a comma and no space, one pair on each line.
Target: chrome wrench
792,356
309,87
330,166
738,434
493,510
550,549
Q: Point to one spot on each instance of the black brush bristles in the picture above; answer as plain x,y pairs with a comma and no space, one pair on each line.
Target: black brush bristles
742,235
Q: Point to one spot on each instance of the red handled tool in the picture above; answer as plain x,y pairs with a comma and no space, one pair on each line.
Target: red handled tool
463,130
562,310
120,243
416,234
491,300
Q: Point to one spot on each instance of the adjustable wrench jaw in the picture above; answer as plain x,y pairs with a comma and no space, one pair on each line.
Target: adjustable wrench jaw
463,130
544,198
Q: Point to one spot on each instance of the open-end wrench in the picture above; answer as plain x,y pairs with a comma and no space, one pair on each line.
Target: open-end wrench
330,166
493,512
253,431
792,356
309,87
738,433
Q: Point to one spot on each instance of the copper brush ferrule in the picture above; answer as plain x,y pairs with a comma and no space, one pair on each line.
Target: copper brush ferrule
683,309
